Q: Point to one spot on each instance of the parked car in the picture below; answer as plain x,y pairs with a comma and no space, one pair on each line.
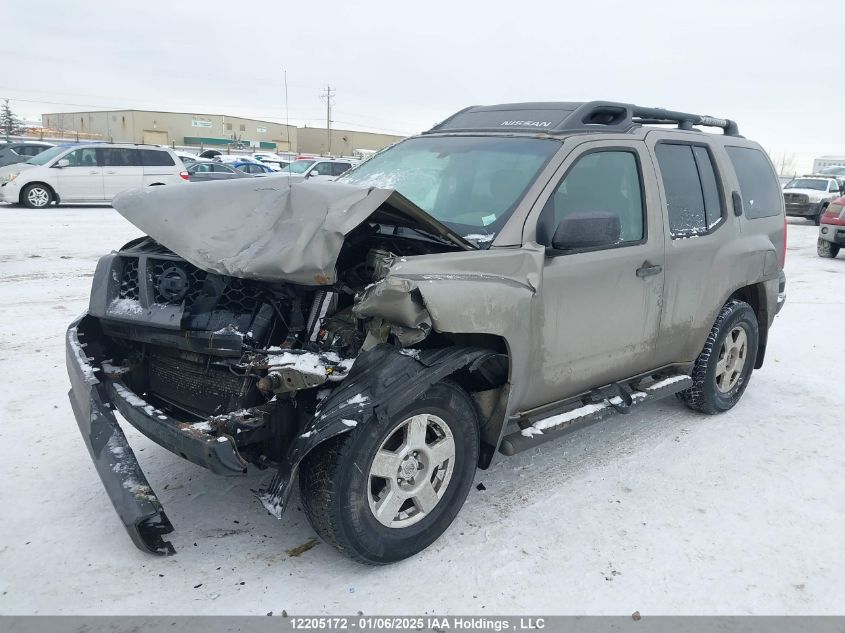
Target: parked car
273,160
189,158
809,196
320,168
211,153
461,294
14,152
212,170
834,171
86,173
254,168
832,229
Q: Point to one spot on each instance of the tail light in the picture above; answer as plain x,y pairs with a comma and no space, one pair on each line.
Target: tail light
184,175
835,208
783,252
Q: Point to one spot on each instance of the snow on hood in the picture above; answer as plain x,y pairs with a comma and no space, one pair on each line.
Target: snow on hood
272,229
808,192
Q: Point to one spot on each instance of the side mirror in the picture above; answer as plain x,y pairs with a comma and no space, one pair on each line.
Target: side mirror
63,163
589,229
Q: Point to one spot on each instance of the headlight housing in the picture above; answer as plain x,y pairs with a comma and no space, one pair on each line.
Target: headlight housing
8,177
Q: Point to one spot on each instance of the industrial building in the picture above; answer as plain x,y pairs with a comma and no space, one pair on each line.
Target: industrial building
827,161
207,130
315,140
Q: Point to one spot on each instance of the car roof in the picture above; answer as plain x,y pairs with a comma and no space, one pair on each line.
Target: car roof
568,117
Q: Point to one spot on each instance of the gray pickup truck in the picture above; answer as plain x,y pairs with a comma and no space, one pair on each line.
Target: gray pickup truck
513,274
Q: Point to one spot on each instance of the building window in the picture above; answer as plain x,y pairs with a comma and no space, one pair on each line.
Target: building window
228,127
242,127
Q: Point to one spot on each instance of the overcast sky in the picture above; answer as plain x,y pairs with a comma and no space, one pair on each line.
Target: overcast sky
774,66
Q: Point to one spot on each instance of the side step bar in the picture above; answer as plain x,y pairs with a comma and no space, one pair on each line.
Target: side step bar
602,403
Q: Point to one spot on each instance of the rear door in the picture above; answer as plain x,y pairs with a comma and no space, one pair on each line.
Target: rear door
698,241
601,305
121,170
82,179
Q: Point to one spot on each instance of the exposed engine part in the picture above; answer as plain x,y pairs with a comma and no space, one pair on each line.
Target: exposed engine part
379,261
323,302
289,379
341,333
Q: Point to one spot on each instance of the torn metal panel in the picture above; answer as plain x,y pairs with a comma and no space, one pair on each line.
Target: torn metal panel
381,382
271,229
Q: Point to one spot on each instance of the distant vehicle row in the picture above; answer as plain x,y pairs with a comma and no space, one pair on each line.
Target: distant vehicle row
96,172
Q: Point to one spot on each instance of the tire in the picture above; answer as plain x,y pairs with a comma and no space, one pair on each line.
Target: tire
717,387
37,196
340,492
826,249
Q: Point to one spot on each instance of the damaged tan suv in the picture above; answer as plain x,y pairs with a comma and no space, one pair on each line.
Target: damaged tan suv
513,274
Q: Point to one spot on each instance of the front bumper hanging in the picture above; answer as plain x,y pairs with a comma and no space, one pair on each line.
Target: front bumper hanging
93,401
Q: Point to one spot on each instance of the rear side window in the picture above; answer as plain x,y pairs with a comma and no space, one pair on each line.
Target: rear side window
692,191
340,168
118,157
155,158
761,195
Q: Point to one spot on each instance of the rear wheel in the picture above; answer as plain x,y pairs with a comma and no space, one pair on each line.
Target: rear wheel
723,369
36,196
827,249
389,488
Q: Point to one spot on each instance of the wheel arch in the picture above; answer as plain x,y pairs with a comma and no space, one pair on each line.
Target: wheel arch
53,191
755,296
382,381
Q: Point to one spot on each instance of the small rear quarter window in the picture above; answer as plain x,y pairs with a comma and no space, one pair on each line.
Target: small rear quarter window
761,194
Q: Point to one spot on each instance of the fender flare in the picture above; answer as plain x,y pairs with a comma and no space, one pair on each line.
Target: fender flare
382,381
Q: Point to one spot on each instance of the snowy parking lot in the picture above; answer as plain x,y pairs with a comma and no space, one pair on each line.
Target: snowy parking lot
663,511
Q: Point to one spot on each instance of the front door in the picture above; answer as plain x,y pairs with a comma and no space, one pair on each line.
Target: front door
82,179
601,302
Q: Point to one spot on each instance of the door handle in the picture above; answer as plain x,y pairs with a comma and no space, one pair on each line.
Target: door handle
646,270
93,172
111,172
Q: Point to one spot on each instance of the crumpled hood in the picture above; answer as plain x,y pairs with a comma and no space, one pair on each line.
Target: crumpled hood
272,229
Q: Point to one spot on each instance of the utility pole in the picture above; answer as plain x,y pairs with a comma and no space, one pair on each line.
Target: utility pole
328,97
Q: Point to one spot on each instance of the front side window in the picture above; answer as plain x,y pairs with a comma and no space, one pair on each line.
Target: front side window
82,157
472,184
692,193
322,169
602,182
46,156
761,196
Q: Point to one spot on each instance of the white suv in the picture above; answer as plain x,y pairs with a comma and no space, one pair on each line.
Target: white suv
320,168
88,173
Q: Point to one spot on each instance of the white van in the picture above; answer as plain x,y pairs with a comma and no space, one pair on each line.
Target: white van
88,173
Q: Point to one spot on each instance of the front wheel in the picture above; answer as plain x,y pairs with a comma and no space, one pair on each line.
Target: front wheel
723,369
389,488
826,249
36,196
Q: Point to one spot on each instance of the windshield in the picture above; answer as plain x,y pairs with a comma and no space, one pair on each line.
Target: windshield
46,156
471,184
299,166
807,183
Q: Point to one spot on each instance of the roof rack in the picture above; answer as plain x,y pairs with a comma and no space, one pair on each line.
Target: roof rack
568,117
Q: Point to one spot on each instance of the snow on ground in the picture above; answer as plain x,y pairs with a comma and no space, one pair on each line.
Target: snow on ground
662,511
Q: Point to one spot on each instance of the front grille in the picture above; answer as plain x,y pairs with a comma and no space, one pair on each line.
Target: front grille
795,198
238,296
196,279
129,279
